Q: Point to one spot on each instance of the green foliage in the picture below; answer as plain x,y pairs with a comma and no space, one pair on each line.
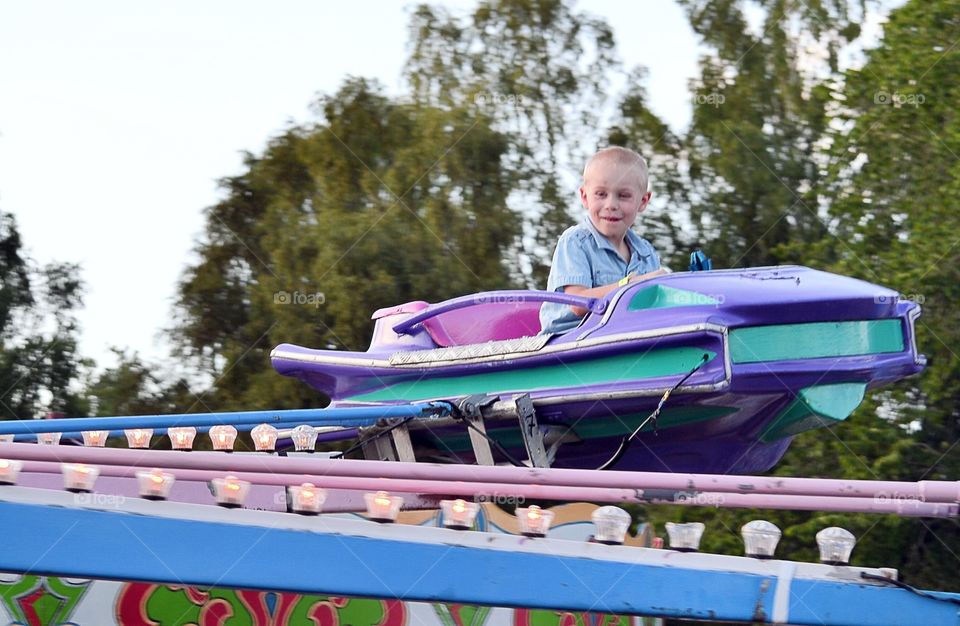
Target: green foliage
39,363
892,182
133,387
540,71
379,203
15,292
744,172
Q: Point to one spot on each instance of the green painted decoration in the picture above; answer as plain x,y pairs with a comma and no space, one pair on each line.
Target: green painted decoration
38,600
786,342
140,604
815,407
662,297
461,614
613,369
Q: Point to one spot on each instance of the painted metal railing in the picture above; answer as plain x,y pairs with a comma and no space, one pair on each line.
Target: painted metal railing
242,420
918,499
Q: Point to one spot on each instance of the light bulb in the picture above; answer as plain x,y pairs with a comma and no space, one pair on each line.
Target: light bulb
534,521
138,437
459,514
48,439
264,438
835,545
181,437
304,438
230,491
223,437
760,538
155,484
610,525
382,507
95,438
9,471
685,537
79,478
306,499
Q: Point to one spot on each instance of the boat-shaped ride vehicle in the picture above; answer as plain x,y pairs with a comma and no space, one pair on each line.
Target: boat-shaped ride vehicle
774,352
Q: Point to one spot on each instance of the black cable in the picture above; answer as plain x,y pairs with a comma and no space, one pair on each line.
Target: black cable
625,443
902,585
376,436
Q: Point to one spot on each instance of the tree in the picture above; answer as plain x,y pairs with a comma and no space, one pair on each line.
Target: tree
891,184
135,387
748,161
378,203
40,366
540,70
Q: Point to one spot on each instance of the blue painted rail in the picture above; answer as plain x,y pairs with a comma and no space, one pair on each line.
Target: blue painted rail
242,420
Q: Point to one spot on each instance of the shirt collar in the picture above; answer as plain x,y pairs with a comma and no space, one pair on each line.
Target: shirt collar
602,242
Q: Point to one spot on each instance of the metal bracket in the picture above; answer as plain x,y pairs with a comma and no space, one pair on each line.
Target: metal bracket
471,409
403,444
532,435
377,448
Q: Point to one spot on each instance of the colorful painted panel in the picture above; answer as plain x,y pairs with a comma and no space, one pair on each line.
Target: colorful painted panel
28,600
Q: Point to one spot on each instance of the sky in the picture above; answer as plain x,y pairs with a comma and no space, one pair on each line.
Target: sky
117,119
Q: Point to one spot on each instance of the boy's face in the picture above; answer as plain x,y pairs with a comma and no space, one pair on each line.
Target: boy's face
613,198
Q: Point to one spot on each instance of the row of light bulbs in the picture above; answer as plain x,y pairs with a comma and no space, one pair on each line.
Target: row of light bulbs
760,537
222,437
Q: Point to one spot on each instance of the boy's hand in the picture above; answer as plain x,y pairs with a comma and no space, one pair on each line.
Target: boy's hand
660,272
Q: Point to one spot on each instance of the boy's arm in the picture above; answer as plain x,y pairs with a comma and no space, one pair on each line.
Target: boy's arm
603,290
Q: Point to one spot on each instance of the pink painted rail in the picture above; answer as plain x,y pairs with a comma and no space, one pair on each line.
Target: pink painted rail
924,498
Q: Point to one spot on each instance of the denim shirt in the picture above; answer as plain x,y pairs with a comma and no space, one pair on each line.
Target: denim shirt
585,257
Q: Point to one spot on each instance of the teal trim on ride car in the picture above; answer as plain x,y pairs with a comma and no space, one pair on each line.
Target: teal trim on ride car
789,342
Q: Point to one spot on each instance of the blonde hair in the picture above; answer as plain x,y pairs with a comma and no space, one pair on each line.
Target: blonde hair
621,156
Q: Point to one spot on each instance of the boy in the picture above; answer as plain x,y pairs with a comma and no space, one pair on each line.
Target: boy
602,253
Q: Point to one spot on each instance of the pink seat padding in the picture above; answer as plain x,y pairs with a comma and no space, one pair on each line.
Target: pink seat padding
492,321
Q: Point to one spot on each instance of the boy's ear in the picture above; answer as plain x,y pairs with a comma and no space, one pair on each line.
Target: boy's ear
644,201
583,197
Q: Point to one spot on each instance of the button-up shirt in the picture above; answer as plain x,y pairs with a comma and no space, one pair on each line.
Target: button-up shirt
585,257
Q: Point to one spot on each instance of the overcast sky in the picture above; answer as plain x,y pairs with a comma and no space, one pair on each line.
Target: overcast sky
118,117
